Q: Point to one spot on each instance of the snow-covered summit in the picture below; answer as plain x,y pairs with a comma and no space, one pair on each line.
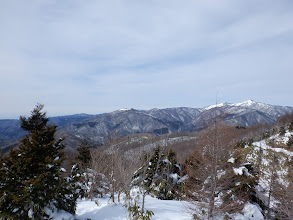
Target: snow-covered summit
253,112
272,110
248,103
251,104
217,105
124,109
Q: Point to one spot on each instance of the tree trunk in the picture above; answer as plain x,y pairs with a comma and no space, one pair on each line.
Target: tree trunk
119,193
272,181
143,200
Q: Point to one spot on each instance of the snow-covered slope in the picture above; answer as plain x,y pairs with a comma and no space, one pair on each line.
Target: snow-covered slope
162,209
272,157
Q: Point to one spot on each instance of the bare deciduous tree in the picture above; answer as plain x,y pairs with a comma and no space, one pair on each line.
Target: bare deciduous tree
207,164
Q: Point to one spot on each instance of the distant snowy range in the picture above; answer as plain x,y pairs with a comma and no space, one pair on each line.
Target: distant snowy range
96,129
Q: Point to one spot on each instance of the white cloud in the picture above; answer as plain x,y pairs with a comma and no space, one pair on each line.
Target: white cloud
95,56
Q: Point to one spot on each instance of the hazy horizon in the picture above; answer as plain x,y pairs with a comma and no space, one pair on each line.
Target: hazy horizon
97,113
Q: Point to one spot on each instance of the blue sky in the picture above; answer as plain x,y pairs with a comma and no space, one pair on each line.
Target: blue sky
98,56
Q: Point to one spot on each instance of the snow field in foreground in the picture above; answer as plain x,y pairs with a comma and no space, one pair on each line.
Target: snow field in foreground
163,210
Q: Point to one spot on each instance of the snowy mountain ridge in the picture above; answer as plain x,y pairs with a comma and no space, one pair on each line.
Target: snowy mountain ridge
172,120
248,103
127,121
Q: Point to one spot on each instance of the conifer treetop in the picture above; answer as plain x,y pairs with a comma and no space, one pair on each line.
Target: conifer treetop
33,179
37,121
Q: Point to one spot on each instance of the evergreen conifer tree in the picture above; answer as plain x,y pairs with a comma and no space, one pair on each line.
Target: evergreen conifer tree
32,178
84,155
159,174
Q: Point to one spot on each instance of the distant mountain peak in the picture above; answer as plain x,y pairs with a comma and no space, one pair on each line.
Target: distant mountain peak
217,105
125,109
246,103
251,104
